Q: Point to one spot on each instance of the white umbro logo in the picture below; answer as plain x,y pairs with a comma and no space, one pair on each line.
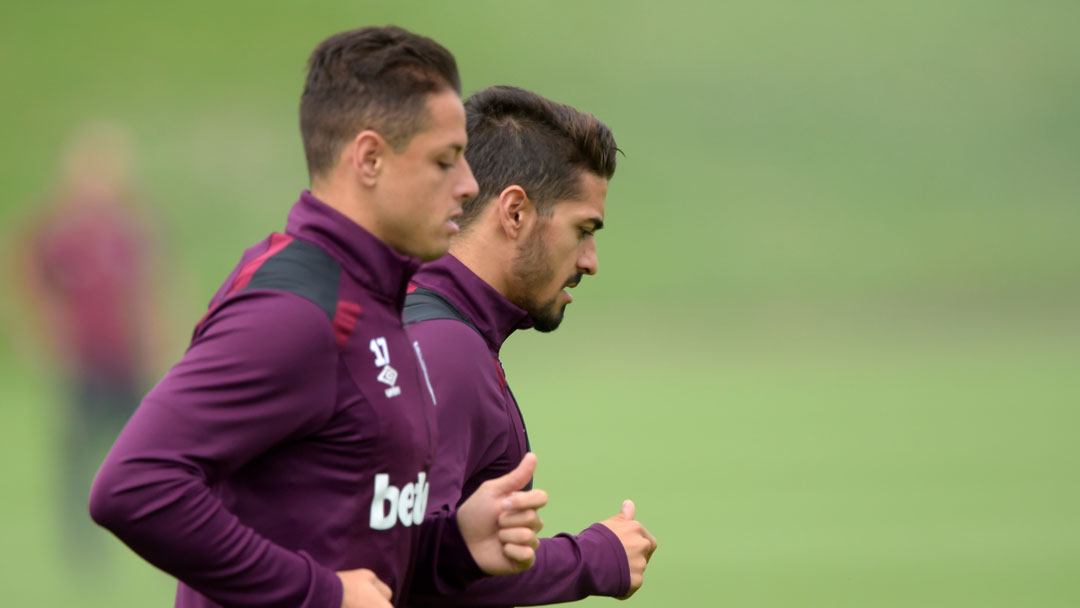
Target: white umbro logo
387,374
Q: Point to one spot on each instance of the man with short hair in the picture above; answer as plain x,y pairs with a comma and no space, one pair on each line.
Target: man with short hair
286,459
542,170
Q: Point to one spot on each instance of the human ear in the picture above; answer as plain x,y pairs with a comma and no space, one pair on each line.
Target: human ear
515,211
367,153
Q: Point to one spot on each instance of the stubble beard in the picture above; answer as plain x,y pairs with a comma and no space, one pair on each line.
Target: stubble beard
533,269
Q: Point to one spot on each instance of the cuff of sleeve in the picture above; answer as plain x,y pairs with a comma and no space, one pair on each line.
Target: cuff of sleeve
455,563
325,590
606,560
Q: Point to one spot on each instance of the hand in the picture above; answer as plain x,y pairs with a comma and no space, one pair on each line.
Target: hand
637,542
362,589
499,522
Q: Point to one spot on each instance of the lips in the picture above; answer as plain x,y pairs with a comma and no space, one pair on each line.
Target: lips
572,283
451,224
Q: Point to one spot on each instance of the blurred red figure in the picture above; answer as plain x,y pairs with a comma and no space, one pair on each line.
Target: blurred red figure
87,267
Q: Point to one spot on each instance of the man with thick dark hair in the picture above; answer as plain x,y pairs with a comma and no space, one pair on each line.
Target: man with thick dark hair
286,459
542,170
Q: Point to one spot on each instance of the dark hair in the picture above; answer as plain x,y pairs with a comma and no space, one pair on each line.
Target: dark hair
517,137
370,78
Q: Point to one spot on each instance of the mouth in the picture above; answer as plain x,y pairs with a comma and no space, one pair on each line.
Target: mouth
572,284
451,223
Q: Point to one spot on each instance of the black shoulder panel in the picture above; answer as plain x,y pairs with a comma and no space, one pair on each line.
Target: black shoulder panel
303,269
425,305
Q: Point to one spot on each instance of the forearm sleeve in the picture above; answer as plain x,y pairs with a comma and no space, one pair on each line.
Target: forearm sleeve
443,562
260,372
567,568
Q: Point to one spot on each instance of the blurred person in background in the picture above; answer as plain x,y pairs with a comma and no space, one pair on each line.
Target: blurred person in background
284,460
543,170
87,261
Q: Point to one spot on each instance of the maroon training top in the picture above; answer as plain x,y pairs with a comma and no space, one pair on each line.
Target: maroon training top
295,437
482,436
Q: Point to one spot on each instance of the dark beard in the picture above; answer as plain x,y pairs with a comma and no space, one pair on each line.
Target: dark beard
532,266
546,318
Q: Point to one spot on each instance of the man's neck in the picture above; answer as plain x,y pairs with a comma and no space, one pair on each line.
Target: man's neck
346,203
483,260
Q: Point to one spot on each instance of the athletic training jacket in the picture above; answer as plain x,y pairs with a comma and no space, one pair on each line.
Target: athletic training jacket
294,438
482,436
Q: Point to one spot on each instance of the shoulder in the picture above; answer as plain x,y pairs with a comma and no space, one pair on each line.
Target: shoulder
452,346
284,282
275,328
271,349
463,371
285,264
297,267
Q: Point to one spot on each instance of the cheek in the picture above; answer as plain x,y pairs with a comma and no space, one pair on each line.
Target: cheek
559,266
426,195
439,186
569,256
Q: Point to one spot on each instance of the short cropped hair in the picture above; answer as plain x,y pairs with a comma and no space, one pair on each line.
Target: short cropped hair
517,137
375,78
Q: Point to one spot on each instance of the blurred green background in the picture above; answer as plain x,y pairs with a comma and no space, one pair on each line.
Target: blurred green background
833,349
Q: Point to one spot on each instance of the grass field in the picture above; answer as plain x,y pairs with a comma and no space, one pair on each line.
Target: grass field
833,349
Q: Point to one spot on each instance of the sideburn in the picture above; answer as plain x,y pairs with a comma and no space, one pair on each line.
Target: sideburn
532,271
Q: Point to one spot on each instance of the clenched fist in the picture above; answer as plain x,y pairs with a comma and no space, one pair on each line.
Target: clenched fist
637,542
499,522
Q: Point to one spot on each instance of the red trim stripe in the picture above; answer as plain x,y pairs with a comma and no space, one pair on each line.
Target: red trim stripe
345,317
277,243
499,371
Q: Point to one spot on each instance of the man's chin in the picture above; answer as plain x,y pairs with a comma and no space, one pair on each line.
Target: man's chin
432,256
431,250
549,322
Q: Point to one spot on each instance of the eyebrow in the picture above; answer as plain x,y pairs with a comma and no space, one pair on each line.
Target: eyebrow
597,223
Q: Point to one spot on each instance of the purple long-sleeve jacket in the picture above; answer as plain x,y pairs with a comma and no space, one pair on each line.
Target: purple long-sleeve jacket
295,438
482,436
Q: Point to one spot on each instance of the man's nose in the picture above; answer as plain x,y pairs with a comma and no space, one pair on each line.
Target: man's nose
588,262
468,188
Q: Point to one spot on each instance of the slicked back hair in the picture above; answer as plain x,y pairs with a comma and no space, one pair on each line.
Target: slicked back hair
375,78
517,137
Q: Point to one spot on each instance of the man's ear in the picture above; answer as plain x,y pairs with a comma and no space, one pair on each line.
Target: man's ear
515,210
366,156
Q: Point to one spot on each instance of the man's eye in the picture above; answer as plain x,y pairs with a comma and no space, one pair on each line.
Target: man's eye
586,232
445,166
